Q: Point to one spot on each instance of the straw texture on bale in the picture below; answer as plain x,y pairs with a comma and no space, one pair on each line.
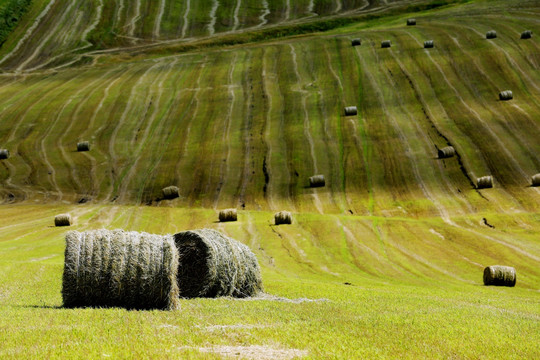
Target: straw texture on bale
228,215
527,34
500,275
63,220
492,34
317,181
536,180
171,192
356,42
428,44
485,182
411,22
83,146
506,95
283,217
446,152
212,264
106,268
386,44
4,154
351,110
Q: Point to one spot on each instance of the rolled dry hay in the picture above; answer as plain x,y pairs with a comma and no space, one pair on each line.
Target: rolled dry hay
351,110
83,146
228,215
283,217
506,95
527,34
356,42
428,44
63,220
484,182
536,180
317,181
500,275
106,268
492,34
411,22
212,264
4,154
171,192
386,44
446,152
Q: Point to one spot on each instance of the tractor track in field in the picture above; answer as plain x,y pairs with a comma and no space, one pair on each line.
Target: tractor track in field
131,26
157,22
186,18
265,13
213,19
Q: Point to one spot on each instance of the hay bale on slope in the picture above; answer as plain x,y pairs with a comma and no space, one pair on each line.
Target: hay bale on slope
83,146
212,264
171,192
446,152
63,220
283,218
536,180
527,34
506,95
228,215
351,110
411,22
386,44
356,42
491,34
122,269
317,181
484,182
428,44
4,154
500,275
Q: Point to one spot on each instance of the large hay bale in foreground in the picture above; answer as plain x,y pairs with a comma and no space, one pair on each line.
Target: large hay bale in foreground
4,154
283,218
386,44
527,34
411,22
506,95
351,110
317,181
428,44
484,182
83,146
63,220
536,180
106,268
171,192
356,42
446,152
212,264
228,215
492,34
500,275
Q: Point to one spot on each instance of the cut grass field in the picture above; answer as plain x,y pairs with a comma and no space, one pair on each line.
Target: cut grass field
385,261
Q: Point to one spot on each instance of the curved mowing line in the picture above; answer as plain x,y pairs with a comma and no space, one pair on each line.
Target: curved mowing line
339,5
213,11
287,10
186,18
157,22
265,12
236,12
134,19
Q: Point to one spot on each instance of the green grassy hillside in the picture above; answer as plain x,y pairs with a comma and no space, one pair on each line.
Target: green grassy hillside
385,261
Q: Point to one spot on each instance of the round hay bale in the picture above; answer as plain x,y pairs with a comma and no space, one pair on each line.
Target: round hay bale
446,152
63,220
212,264
106,268
506,95
500,275
386,44
411,22
317,181
171,192
351,110
228,215
527,34
356,42
492,34
484,182
283,218
83,146
536,180
4,154
428,44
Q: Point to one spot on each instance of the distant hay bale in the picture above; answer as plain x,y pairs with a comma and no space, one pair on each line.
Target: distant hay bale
171,192
283,218
83,146
212,264
106,268
428,44
386,44
506,95
4,154
356,42
527,34
351,110
492,34
500,275
63,220
446,152
484,182
228,215
536,180
411,22
317,181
